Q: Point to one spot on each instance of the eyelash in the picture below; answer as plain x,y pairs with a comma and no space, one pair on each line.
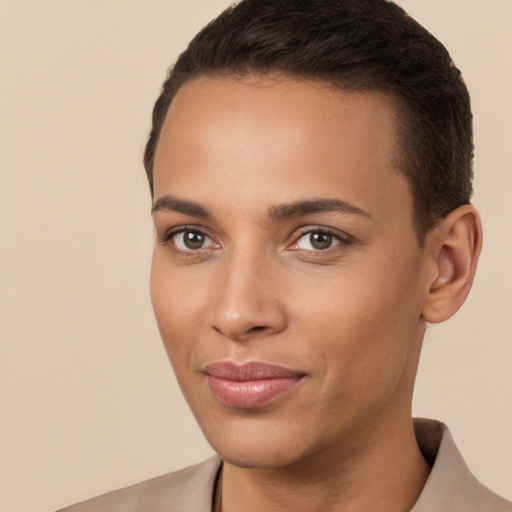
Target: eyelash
169,234
342,240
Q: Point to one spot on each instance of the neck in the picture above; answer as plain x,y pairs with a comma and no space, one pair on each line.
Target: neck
386,474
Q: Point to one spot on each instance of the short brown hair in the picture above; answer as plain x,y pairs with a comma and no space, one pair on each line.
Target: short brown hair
360,45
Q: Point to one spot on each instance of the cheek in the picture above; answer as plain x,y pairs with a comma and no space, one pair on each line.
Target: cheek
362,322
177,304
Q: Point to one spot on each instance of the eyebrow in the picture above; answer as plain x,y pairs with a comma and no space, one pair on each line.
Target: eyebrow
172,203
275,213
311,206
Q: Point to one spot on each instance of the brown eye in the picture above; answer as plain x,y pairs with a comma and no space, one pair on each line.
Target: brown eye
320,240
190,240
317,241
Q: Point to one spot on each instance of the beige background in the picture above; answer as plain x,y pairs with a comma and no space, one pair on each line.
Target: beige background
88,401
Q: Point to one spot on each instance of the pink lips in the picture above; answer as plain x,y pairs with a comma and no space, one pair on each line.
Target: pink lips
250,384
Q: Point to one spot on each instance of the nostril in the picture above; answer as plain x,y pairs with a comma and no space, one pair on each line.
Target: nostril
257,328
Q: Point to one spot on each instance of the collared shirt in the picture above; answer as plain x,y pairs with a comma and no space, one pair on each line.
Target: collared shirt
450,486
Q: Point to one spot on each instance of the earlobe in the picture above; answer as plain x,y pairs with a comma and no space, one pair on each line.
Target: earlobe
454,247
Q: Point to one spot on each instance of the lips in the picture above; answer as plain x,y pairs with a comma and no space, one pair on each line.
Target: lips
251,384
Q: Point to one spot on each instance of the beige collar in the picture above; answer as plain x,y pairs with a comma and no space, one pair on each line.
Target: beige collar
450,486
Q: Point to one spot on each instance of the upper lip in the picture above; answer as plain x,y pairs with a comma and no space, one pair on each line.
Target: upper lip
249,371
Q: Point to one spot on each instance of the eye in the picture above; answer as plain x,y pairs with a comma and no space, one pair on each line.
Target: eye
317,240
189,240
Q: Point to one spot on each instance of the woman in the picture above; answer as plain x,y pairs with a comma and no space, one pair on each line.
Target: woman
310,164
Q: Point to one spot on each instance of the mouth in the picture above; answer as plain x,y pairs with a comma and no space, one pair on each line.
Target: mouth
251,384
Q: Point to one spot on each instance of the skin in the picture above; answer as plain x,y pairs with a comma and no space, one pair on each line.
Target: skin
350,317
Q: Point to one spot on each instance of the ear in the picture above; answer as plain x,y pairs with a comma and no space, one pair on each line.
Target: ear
454,247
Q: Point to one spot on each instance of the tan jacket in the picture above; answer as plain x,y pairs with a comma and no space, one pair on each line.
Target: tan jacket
450,487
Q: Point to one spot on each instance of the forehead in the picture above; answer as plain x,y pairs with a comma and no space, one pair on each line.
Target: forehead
300,136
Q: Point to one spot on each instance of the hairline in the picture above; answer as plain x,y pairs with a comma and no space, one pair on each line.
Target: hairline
400,157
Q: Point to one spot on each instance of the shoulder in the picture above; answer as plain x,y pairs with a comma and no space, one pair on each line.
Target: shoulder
190,488
451,486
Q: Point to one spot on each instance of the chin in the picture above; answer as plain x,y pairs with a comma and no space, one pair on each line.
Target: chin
254,444
263,456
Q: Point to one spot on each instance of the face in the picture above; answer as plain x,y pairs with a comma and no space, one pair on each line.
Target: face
287,279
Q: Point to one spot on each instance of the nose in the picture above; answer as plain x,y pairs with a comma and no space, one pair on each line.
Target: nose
248,303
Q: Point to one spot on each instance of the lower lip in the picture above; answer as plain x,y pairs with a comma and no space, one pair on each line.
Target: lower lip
251,393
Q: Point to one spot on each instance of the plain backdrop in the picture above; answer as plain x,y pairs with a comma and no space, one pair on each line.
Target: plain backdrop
88,402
